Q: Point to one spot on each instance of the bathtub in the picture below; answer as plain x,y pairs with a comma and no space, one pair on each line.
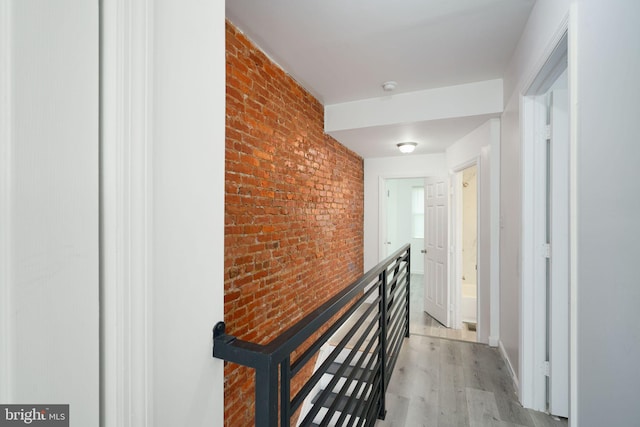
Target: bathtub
468,304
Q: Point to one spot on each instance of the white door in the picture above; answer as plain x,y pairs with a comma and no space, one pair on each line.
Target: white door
436,291
49,220
558,226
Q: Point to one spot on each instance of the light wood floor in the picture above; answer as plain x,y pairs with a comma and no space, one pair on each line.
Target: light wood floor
447,383
442,381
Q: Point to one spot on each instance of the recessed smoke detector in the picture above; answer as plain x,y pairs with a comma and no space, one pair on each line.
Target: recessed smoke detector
389,86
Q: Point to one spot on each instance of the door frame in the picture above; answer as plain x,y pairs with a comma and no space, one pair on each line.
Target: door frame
126,192
455,236
134,256
382,212
558,340
147,79
532,354
382,208
396,187
488,291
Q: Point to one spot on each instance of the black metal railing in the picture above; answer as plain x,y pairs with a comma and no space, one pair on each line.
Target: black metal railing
365,343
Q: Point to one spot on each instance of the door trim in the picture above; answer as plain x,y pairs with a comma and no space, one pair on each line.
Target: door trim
533,298
382,208
559,268
382,212
455,242
532,352
382,218
126,220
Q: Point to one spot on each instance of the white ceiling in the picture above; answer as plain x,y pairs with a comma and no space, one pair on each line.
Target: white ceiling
433,136
343,50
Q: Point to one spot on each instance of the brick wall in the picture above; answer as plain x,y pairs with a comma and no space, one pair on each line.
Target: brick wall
293,209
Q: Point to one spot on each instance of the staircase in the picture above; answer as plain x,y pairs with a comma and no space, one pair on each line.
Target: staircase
358,336
343,390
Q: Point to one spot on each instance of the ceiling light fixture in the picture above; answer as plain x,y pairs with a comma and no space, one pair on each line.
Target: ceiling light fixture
389,86
407,147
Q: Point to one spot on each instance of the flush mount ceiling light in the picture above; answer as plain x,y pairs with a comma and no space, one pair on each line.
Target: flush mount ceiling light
389,86
407,147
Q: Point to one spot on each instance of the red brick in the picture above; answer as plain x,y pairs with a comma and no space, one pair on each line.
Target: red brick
293,211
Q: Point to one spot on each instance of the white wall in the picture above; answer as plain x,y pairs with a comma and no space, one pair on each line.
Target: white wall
390,167
471,99
542,28
468,148
172,114
49,320
604,69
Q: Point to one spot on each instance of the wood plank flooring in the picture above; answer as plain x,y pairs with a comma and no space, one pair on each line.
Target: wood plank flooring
447,383
442,381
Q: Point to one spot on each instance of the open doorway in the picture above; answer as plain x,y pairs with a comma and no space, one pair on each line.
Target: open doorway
404,223
467,283
404,210
406,220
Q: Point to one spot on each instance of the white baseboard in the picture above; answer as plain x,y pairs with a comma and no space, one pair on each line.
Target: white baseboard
514,378
494,341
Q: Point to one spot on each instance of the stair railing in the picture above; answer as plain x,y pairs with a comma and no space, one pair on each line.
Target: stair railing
374,321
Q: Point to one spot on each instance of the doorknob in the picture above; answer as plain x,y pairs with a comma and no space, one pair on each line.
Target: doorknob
424,251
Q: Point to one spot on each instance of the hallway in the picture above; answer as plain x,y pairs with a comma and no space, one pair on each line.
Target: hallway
446,383
441,380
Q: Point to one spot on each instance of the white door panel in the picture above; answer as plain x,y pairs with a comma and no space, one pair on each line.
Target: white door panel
436,295
559,265
50,288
